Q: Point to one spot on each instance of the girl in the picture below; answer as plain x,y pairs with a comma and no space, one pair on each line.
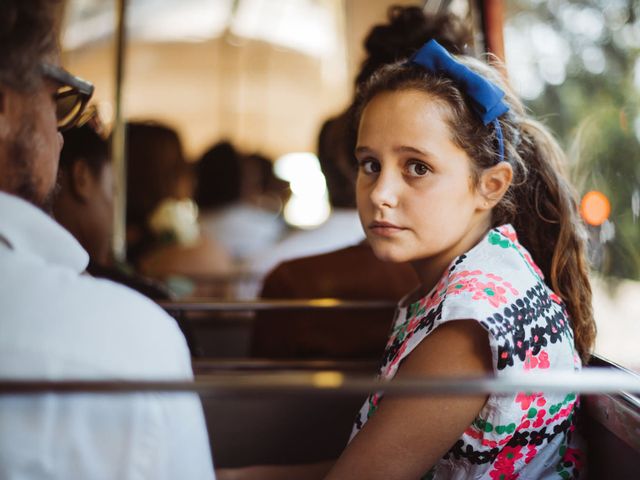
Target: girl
457,180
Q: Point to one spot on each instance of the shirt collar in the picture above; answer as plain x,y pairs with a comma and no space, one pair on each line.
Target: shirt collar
26,228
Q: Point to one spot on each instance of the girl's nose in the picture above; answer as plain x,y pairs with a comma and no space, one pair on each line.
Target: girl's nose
385,191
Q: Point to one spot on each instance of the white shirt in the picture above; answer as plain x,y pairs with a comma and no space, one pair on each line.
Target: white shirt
242,229
342,229
56,323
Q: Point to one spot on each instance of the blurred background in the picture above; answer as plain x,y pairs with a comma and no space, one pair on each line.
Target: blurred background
263,76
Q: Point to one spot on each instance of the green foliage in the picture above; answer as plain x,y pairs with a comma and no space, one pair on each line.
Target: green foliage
596,116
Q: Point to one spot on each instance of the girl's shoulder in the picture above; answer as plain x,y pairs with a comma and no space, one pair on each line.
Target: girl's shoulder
495,273
495,283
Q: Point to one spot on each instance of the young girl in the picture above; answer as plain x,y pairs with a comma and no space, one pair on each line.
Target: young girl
457,180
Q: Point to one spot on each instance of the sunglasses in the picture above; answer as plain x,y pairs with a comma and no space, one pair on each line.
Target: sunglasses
72,95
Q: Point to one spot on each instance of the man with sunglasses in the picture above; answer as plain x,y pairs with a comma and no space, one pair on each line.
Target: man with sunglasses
58,323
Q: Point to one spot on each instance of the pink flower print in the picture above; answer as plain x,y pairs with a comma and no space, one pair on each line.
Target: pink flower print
539,421
413,324
530,362
427,303
539,361
462,285
574,456
510,287
504,465
510,233
491,292
466,273
531,452
533,265
525,400
440,287
473,432
543,359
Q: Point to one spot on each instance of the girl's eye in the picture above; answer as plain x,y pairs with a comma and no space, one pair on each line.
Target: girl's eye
370,166
417,169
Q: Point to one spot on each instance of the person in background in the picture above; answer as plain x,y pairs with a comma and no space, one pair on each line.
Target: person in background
341,229
164,237
83,204
58,324
352,272
236,206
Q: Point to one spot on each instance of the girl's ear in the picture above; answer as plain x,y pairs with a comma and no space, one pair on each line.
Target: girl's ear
493,184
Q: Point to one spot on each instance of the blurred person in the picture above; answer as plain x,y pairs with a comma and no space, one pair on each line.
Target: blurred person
83,204
341,229
261,187
352,272
164,237
236,207
58,324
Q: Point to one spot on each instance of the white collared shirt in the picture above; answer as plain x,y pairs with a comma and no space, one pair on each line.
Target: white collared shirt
57,323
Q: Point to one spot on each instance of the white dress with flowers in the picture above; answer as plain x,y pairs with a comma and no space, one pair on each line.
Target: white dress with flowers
521,435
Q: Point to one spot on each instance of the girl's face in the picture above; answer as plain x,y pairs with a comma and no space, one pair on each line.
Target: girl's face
415,193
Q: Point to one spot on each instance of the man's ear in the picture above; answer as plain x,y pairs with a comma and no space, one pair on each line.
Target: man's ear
81,181
494,183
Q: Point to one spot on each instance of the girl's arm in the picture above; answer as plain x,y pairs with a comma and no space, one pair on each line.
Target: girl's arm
407,435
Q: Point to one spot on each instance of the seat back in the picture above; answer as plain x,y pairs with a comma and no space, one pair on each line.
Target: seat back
224,328
611,425
273,429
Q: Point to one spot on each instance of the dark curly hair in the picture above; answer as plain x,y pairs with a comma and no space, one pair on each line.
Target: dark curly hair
407,29
28,33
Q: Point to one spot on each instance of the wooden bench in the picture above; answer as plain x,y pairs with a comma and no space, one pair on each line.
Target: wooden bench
224,328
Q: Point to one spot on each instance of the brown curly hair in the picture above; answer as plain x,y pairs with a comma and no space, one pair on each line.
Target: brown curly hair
540,203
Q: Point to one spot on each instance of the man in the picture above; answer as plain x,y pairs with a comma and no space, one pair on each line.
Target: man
56,323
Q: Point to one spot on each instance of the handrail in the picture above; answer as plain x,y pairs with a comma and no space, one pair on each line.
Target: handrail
257,364
590,381
271,305
629,398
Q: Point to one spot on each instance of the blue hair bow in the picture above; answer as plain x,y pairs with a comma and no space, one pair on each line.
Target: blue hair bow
486,98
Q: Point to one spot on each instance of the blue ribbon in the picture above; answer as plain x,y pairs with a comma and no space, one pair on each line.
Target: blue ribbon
486,98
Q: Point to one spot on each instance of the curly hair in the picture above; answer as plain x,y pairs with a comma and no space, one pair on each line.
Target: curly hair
28,33
540,203
407,29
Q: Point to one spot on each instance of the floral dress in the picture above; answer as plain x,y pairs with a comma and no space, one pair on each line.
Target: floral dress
526,435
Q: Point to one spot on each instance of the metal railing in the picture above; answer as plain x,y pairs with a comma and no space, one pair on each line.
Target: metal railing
270,305
588,381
